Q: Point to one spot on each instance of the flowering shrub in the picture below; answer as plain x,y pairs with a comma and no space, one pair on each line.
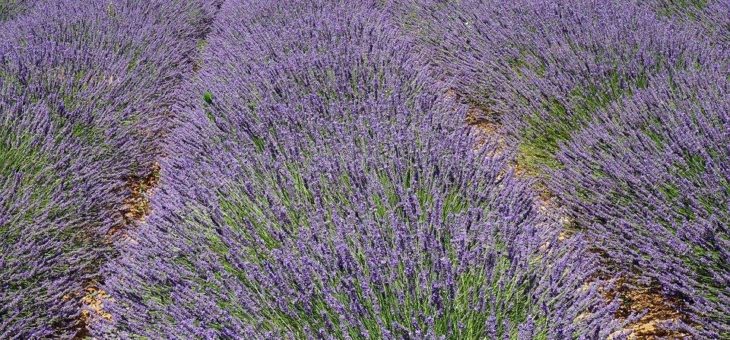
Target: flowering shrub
318,179
661,161
84,89
621,109
320,186
543,68
710,17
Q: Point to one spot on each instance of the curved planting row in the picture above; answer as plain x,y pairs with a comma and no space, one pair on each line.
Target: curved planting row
320,186
621,109
543,68
662,162
711,17
85,87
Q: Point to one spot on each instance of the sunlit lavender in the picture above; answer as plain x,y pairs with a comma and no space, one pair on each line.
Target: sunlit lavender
377,169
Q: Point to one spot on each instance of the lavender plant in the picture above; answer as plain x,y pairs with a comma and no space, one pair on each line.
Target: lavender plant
83,86
542,69
620,83
710,17
318,182
11,8
320,186
660,159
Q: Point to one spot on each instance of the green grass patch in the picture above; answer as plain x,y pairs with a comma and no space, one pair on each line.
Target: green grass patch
208,97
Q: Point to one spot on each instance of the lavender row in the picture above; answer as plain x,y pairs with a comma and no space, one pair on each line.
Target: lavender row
84,89
542,68
621,108
321,186
711,17
650,179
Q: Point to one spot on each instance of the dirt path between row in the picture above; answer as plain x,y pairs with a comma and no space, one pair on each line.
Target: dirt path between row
135,209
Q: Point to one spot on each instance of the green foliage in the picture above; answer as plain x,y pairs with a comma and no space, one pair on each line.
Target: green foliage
251,218
20,156
208,97
10,8
688,8
558,120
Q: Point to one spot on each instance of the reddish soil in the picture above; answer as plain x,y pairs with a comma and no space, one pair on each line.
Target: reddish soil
137,205
92,301
658,308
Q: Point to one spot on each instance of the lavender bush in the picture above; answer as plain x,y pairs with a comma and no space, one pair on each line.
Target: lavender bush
542,69
661,161
84,89
319,181
712,17
320,186
621,108
11,8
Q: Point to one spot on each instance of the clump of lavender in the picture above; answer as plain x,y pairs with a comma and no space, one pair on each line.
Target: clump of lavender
607,99
11,8
83,88
318,187
542,69
650,178
711,17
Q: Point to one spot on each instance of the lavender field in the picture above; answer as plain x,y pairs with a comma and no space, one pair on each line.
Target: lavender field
365,169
